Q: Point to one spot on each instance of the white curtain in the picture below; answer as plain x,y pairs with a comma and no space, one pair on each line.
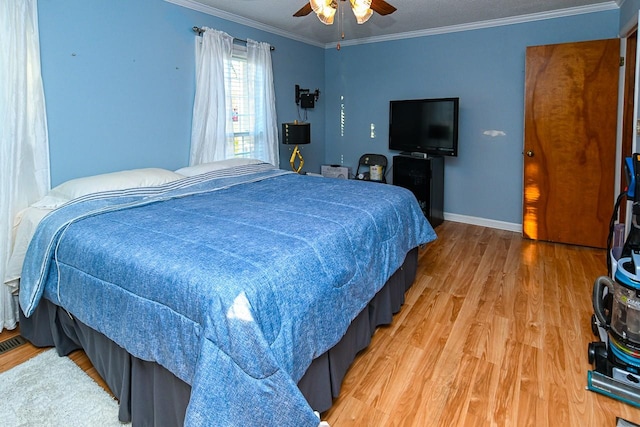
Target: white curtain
24,146
260,75
210,106
212,135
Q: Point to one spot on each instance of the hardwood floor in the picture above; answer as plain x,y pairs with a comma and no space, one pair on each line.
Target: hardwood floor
493,332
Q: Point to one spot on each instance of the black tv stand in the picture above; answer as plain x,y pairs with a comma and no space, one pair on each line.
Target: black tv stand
425,178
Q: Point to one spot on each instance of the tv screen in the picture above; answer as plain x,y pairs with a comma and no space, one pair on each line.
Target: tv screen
427,126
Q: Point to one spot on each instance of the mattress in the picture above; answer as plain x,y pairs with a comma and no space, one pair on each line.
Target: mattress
233,282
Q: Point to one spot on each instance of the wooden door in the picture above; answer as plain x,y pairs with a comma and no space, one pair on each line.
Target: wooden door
571,99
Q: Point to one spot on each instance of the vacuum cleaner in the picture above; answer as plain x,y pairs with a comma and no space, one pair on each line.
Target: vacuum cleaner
616,305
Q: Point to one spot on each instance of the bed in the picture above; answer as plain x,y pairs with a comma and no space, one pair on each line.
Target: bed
234,296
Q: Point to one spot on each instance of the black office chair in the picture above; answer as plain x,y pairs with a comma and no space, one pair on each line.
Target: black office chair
367,161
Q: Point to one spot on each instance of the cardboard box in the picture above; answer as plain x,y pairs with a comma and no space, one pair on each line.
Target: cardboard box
332,171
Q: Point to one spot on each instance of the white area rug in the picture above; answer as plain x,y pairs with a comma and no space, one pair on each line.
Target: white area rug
49,390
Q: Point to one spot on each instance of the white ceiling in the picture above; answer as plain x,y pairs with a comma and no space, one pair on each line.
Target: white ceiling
413,17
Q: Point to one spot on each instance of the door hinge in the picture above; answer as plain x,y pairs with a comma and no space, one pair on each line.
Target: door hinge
622,61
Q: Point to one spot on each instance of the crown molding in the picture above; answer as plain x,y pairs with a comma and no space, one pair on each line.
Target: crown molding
199,7
600,7
560,13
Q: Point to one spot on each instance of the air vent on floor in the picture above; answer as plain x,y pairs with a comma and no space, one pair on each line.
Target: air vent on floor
12,343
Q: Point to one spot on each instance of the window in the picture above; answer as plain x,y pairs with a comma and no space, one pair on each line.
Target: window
242,115
234,106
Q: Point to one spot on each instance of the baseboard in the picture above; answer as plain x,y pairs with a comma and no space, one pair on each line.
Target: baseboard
484,222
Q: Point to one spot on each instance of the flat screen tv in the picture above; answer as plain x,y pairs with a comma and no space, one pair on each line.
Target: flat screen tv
425,126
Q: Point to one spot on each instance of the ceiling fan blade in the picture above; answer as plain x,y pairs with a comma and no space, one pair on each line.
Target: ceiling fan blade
382,7
304,11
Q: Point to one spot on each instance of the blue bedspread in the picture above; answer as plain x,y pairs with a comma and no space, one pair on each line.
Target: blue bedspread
234,282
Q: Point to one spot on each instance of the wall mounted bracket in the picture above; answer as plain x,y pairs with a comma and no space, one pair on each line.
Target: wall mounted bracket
305,98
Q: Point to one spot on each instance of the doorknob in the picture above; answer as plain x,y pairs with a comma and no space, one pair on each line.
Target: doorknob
530,153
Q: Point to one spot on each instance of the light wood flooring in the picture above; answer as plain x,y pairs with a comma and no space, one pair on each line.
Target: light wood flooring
494,332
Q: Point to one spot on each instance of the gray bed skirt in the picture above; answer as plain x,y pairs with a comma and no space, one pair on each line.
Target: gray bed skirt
151,395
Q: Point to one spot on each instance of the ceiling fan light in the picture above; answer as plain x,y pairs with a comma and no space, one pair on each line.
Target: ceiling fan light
361,9
324,9
319,5
363,17
326,17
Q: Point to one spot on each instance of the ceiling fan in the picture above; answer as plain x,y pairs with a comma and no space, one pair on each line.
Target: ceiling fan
362,9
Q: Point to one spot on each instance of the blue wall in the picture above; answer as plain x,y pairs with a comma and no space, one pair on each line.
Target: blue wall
485,68
119,83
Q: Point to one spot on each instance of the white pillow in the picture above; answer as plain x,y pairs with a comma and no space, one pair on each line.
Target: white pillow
134,178
214,166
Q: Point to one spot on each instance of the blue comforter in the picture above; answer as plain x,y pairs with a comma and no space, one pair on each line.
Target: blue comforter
234,282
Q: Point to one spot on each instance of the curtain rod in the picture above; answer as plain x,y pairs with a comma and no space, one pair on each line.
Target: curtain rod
200,31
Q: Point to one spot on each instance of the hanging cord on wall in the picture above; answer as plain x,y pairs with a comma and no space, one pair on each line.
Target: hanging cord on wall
303,117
